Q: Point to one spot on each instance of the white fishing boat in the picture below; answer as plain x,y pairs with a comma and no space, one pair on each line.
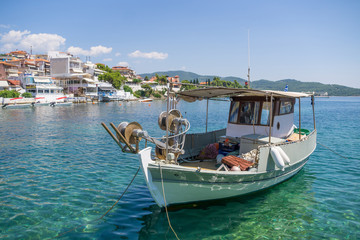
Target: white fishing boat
15,104
60,102
259,148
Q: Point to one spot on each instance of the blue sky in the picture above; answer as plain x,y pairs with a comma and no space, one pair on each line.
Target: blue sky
305,40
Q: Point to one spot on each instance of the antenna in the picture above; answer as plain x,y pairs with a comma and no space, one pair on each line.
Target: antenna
248,59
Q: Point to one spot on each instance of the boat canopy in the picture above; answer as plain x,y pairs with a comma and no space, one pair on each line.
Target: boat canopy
198,94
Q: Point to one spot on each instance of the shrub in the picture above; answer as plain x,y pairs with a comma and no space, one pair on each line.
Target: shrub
9,94
157,95
26,95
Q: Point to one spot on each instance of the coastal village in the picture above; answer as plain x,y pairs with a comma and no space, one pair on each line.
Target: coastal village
59,76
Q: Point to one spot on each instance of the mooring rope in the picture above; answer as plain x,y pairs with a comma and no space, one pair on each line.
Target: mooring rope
332,150
166,210
73,229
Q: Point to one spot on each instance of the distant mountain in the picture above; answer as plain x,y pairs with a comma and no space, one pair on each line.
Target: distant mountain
293,85
192,76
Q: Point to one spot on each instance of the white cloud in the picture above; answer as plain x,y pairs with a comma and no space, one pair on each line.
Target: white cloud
13,36
124,64
92,52
23,40
151,55
117,54
107,59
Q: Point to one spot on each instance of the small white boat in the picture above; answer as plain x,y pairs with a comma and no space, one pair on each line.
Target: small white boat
258,149
146,100
15,104
56,103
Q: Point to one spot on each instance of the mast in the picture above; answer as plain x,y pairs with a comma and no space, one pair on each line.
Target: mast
248,59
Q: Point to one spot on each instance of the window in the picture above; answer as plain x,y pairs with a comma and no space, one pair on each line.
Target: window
265,114
46,91
249,112
40,91
234,112
286,107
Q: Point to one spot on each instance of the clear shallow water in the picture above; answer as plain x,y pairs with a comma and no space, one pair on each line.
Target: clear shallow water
60,169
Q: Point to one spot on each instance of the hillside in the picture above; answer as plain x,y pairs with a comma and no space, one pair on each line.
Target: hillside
293,85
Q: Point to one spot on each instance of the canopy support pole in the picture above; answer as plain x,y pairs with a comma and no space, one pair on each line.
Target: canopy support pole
207,112
313,108
271,116
299,119
167,122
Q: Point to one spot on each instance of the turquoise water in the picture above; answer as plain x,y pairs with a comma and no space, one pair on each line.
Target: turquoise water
60,169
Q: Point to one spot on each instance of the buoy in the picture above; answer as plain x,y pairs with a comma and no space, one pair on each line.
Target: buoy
283,155
278,160
235,168
149,105
120,104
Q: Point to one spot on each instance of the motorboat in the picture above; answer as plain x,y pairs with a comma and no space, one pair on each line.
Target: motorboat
146,100
60,103
15,104
259,148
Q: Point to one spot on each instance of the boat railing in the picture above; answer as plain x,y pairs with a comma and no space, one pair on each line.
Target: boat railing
195,142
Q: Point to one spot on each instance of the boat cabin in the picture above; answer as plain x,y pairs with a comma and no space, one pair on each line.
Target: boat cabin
251,115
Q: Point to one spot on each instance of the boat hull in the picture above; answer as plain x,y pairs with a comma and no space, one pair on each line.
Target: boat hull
186,185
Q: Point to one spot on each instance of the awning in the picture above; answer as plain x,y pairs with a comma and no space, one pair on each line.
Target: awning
107,88
42,80
4,84
76,70
89,80
192,95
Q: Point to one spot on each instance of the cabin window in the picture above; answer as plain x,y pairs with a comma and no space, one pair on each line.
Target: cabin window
265,114
40,91
234,112
286,107
46,91
249,112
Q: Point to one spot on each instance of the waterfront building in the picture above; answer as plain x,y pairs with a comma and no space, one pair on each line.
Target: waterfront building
42,87
68,73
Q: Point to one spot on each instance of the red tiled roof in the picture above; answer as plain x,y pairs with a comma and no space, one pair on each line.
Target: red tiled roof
14,82
41,60
8,64
18,52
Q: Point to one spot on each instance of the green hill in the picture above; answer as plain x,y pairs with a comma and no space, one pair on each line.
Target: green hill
293,85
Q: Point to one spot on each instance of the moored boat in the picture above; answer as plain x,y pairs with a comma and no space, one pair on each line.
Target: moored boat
146,100
259,148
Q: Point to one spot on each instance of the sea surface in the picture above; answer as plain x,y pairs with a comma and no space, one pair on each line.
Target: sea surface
60,172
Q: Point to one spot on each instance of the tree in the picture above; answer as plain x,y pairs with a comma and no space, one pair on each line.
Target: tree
128,89
146,78
161,79
115,78
104,67
136,80
187,87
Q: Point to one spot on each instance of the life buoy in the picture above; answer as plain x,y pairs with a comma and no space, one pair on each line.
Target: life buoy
278,160
283,155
